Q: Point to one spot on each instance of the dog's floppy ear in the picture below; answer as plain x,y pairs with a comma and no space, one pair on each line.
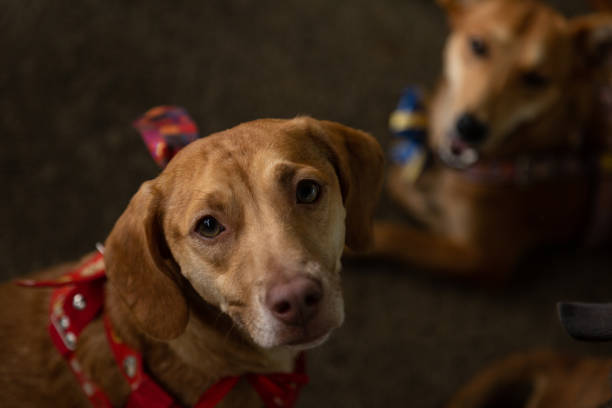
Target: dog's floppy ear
592,36
141,269
359,162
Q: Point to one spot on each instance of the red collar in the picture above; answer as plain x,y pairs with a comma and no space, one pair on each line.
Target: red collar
527,170
78,299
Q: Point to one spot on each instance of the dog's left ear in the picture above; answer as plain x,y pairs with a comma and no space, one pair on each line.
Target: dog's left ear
359,162
592,35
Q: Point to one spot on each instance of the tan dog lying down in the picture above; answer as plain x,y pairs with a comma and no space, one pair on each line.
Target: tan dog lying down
227,263
518,128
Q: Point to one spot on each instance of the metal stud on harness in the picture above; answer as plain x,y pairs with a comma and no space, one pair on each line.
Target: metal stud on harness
78,299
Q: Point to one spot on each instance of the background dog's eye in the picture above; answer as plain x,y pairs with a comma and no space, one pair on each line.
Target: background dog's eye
479,47
307,191
534,79
209,227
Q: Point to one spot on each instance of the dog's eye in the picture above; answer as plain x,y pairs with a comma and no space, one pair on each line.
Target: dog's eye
209,227
307,191
479,47
534,79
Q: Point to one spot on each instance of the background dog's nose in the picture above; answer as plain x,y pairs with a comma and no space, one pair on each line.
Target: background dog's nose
295,302
470,129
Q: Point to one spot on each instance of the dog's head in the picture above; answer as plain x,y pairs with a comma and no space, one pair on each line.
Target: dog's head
514,76
255,220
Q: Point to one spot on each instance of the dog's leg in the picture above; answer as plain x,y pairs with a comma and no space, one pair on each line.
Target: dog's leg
537,380
439,253
510,383
418,199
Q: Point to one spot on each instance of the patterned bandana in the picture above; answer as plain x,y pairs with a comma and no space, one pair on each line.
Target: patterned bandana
166,130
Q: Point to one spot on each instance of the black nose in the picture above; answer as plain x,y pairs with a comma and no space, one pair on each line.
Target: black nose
470,129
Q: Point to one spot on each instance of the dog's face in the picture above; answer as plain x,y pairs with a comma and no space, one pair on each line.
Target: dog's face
255,219
510,71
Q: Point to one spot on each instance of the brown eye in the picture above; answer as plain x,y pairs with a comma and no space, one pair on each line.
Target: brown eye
307,191
209,227
479,47
534,79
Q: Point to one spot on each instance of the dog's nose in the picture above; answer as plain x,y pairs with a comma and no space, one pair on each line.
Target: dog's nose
295,302
470,129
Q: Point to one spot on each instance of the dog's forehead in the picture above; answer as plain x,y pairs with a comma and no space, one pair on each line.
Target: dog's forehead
535,32
284,136
245,142
512,21
240,156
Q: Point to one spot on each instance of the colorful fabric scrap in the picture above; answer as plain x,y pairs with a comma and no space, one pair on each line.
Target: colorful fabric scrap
409,120
409,124
166,130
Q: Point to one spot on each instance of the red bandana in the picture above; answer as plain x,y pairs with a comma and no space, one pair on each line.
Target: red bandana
78,299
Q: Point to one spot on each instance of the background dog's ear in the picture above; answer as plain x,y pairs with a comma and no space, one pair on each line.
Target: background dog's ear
359,163
601,5
141,269
592,36
455,8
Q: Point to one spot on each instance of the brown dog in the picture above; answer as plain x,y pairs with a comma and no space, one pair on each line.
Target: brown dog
548,379
539,380
517,128
228,262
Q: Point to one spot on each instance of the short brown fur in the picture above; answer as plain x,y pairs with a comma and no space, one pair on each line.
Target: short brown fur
482,229
167,286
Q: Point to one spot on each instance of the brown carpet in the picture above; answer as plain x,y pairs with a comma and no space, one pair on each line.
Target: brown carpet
75,74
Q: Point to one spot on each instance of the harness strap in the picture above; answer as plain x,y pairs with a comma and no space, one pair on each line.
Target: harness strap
281,390
145,392
78,299
217,392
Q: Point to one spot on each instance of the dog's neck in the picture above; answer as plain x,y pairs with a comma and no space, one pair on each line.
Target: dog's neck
209,349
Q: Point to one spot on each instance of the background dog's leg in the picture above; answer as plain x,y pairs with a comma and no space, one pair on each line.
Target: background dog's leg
439,253
537,380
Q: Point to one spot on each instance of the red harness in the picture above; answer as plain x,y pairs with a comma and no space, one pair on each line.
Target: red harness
78,299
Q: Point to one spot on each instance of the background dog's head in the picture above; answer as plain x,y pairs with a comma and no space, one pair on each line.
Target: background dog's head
255,220
517,77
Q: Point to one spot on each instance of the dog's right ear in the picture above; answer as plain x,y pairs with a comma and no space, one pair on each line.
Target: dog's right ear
592,35
359,161
141,269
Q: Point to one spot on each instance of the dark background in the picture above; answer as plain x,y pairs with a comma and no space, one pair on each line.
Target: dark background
75,74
